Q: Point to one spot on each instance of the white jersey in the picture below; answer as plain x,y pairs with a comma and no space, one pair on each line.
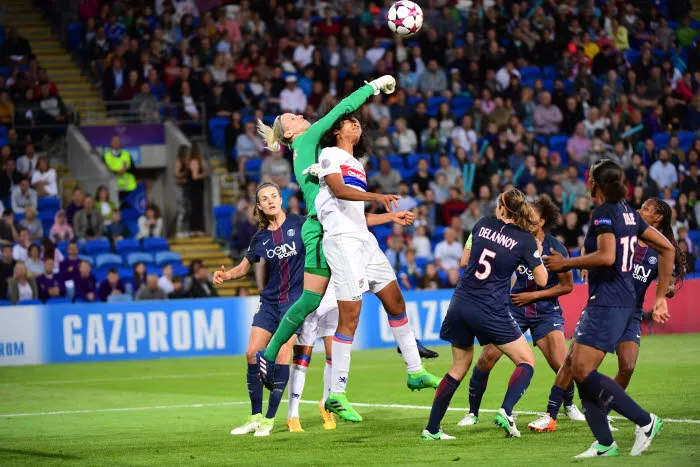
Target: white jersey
339,216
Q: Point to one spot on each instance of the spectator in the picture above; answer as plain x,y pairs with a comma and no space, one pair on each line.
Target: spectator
88,223
431,279
181,176
53,111
198,172
7,109
201,285
464,136
404,139
7,269
85,283
547,117
150,290
410,274
422,178
573,185
387,179
395,252
8,232
432,81
277,169
20,251
9,178
150,223
76,204
49,285
421,242
663,172
249,145
144,105
117,228
23,196
471,216
178,290
454,206
165,282
448,252
111,286
44,178
578,144
32,224
292,98
21,286
118,161
450,172
103,204
68,269
571,233
139,272
34,264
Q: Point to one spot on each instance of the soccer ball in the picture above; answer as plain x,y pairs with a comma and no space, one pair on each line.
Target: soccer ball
405,18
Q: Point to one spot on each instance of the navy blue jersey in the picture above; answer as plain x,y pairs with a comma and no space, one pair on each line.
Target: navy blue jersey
284,250
646,270
497,250
614,286
525,282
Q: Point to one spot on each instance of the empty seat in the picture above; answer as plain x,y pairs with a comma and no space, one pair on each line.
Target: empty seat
108,260
49,204
87,258
438,233
57,300
217,131
167,257
156,244
99,245
138,257
121,298
29,302
127,245
661,139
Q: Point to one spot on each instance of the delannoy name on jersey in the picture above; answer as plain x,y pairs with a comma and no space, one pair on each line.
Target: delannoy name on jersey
497,237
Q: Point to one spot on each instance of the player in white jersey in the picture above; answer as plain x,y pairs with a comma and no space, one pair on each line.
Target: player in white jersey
357,263
320,324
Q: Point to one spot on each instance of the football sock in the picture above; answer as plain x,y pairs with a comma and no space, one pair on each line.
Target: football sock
290,322
327,373
403,334
443,396
597,420
297,378
341,348
556,397
255,388
477,387
569,396
609,394
281,379
517,385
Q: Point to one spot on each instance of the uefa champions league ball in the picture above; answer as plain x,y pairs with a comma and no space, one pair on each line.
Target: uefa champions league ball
405,18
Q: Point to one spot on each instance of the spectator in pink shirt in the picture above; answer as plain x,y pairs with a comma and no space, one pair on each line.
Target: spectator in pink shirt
578,144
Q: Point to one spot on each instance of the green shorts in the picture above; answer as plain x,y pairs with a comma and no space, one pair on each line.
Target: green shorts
312,236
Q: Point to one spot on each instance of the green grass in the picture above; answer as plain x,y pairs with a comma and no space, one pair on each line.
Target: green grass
667,382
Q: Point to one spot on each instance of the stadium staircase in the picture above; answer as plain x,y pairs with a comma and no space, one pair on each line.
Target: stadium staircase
75,89
695,9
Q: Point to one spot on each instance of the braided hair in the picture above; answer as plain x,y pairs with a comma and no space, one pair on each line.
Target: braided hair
662,209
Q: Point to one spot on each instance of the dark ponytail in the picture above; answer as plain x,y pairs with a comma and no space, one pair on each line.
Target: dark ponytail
608,177
549,212
662,209
263,221
517,209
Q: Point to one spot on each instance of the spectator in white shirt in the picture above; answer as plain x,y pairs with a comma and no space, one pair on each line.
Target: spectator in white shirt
44,178
407,202
378,110
404,138
421,243
464,136
303,52
448,252
22,196
292,98
166,280
376,52
504,74
27,163
663,172
594,122
20,252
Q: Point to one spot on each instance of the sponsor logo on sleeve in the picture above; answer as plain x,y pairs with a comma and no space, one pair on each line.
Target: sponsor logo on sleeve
602,222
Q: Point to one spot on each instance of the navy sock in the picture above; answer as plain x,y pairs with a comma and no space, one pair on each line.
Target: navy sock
477,387
597,420
569,396
255,388
556,397
517,385
281,379
611,396
443,396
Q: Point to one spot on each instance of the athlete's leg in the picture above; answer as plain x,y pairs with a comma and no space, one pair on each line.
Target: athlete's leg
553,347
281,378
395,306
297,380
521,355
259,337
627,353
328,418
479,380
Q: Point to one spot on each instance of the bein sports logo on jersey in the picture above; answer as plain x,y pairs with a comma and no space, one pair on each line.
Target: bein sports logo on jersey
282,251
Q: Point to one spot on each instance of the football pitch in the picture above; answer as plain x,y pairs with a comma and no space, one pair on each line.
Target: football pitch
180,411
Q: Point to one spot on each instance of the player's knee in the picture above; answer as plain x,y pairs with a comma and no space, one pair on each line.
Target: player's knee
580,370
397,306
487,360
626,367
250,355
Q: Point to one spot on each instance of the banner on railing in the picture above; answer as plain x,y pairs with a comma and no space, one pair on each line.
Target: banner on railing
131,134
221,326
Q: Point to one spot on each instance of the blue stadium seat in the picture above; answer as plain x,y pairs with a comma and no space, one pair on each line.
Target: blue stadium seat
435,102
5,303
252,169
127,245
137,257
180,270
422,263
395,160
413,159
661,139
49,204
156,244
632,56
99,245
46,219
438,233
167,257
58,300
549,72
407,175
108,260
442,274
87,258
686,139
74,31
121,298
126,275
63,247
217,128
223,219
29,302
100,274
530,73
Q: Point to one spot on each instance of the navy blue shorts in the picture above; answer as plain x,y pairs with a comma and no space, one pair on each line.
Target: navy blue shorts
633,333
269,315
540,325
603,327
466,320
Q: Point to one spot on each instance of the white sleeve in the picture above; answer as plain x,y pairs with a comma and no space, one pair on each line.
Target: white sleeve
328,162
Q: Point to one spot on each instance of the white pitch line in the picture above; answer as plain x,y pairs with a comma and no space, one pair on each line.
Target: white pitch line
224,404
112,380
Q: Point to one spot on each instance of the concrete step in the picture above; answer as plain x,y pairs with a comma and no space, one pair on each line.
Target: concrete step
209,255
190,241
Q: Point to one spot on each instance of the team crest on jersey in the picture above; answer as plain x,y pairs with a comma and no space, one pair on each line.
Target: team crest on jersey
652,260
325,163
290,233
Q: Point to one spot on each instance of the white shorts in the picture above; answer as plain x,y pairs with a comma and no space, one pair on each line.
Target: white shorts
357,265
322,322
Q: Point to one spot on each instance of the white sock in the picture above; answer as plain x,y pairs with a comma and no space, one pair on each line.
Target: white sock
403,334
296,384
341,348
327,373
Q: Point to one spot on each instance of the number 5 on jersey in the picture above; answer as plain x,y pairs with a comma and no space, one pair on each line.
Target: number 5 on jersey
486,253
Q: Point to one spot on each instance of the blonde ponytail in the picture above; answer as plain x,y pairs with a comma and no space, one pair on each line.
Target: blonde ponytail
273,136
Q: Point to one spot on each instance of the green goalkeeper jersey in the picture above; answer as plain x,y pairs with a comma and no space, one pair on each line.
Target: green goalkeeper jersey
306,146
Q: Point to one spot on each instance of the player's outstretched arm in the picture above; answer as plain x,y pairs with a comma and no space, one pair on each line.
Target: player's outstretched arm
398,217
667,255
234,273
464,260
342,191
564,287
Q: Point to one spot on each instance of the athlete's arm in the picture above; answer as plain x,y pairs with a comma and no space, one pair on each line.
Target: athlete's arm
565,286
399,217
342,191
604,257
347,105
464,260
260,274
232,274
653,237
541,275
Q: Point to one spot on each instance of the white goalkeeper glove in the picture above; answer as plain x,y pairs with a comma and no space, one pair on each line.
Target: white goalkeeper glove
312,170
385,84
